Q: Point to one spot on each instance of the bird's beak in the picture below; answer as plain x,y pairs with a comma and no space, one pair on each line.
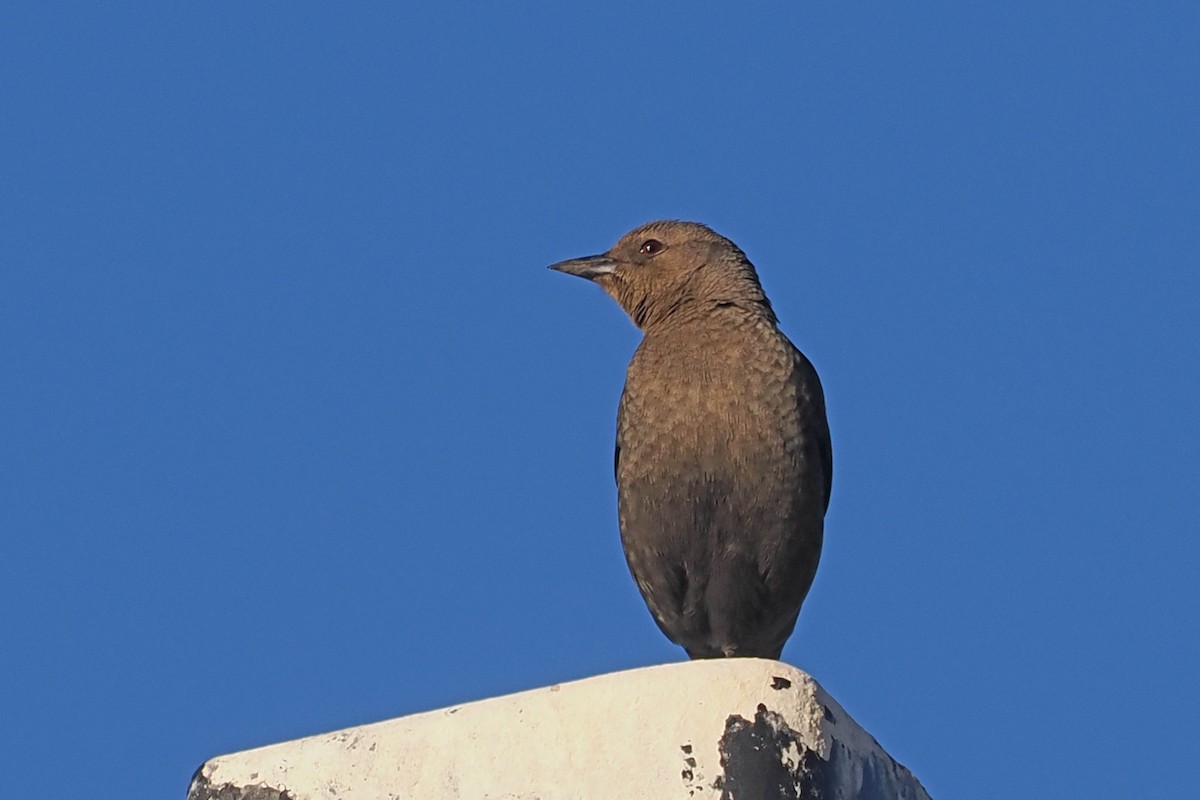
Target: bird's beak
590,267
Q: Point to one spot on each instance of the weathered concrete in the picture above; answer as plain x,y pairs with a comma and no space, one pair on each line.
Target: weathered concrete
735,729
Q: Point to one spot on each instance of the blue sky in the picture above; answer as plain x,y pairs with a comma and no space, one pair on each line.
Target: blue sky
299,433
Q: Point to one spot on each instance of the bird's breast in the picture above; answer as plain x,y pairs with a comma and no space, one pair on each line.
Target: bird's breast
721,407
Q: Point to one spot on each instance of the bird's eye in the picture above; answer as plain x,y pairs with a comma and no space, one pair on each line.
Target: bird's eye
651,246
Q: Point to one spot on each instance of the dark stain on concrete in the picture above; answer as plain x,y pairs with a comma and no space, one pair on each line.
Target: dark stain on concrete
758,760
202,789
765,758
692,782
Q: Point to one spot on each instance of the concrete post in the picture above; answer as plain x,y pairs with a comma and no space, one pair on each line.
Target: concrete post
735,729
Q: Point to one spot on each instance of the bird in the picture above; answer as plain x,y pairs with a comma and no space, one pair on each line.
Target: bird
723,459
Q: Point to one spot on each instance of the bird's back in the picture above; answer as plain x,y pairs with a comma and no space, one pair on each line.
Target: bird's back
723,468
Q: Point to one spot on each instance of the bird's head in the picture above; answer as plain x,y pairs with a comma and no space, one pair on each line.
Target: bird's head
665,269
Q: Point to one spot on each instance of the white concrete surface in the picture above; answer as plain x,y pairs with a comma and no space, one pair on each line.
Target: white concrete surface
730,728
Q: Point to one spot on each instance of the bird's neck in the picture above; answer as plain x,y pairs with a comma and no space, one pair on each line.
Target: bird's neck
691,312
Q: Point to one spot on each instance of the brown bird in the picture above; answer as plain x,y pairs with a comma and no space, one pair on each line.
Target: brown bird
723,459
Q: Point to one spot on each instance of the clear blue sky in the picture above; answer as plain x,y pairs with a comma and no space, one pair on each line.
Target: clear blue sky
297,432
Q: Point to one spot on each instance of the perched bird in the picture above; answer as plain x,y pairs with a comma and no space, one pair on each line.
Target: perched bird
723,460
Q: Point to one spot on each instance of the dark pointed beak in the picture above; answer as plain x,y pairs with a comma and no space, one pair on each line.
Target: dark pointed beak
590,267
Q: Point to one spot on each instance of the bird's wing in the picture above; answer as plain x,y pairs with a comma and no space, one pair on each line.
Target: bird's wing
617,444
616,460
826,446
816,425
